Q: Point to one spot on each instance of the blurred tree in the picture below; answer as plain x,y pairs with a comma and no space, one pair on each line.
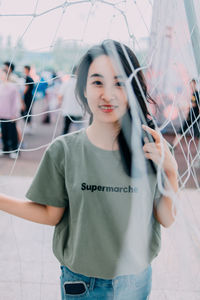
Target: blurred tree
19,51
1,50
8,48
65,54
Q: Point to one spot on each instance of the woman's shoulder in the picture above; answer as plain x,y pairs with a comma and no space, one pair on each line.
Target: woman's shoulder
64,147
68,141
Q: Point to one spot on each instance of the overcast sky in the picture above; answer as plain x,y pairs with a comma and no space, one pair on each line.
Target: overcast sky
77,21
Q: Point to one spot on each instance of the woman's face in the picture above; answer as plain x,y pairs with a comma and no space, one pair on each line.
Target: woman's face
105,91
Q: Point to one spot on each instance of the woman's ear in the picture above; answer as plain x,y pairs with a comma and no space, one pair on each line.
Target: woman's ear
85,94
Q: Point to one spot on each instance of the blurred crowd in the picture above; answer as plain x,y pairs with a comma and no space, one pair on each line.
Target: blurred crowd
18,94
55,92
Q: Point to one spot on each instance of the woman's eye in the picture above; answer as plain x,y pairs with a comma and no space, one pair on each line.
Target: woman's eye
97,82
120,83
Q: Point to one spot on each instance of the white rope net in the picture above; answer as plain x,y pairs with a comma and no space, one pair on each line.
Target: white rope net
163,43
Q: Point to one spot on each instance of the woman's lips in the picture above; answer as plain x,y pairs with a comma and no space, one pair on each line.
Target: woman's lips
107,108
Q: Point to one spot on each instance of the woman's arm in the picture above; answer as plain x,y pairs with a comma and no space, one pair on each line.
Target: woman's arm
31,211
163,211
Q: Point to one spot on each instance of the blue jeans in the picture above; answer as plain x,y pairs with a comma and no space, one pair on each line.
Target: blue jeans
127,287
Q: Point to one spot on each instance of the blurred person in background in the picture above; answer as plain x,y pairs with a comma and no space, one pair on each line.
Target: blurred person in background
41,87
9,110
12,77
28,99
71,109
9,68
191,124
51,94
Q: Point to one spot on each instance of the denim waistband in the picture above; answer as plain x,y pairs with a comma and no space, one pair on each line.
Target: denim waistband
91,282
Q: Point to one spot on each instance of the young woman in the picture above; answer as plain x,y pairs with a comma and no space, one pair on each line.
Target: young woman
107,216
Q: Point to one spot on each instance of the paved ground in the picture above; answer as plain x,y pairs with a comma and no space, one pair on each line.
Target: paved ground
28,269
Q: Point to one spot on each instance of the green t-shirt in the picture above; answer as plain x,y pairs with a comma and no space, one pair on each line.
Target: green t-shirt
108,228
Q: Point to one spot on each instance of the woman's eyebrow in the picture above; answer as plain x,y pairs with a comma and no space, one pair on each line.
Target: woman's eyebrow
99,75
118,77
96,75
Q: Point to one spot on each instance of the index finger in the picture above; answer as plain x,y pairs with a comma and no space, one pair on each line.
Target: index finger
154,133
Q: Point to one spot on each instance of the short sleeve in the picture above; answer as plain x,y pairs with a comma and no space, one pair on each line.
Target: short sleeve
48,186
15,109
29,80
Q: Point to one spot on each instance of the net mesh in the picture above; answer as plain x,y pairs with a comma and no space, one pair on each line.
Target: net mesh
165,47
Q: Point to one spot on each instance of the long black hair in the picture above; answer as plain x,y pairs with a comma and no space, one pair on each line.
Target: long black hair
128,62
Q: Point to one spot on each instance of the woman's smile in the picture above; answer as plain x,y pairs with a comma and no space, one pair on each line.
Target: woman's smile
106,108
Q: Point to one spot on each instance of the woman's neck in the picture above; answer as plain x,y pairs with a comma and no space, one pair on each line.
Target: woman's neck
103,136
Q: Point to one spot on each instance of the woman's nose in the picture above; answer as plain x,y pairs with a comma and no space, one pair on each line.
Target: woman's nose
108,94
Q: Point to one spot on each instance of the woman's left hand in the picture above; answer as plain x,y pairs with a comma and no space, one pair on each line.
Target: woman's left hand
154,150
